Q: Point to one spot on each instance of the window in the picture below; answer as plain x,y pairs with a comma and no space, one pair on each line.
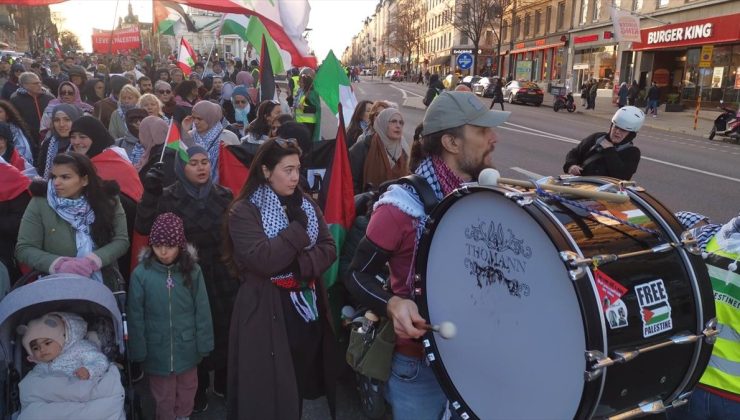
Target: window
463,39
505,30
663,3
548,18
489,37
515,29
561,15
537,22
527,19
636,5
584,11
596,9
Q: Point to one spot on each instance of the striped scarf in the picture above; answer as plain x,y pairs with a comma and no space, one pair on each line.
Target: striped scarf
136,154
274,220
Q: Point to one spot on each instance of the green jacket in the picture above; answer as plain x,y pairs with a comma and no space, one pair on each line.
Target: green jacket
170,330
44,236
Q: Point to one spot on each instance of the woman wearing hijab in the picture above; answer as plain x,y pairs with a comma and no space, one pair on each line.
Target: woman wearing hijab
201,204
130,142
74,223
244,78
279,245
10,115
127,99
243,111
67,94
94,91
62,118
10,154
203,128
152,134
387,155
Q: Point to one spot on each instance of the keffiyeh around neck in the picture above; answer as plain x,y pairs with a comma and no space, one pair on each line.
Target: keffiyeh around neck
274,220
78,213
210,141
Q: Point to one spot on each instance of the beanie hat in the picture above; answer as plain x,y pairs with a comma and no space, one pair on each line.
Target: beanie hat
168,230
49,326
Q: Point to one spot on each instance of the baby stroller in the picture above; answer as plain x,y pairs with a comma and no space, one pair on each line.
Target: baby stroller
103,310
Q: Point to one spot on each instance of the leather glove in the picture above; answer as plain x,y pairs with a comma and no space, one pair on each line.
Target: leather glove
294,211
81,266
154,179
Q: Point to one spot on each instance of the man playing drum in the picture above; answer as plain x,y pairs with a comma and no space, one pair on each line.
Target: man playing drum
458,142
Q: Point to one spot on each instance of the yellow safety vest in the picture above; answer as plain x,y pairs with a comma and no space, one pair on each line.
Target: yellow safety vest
723,371
301,116
296,86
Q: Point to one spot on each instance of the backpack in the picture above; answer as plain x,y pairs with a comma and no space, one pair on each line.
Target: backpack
364,204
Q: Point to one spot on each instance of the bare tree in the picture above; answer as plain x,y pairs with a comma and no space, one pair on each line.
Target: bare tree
405,31
473,17
39,26
69,41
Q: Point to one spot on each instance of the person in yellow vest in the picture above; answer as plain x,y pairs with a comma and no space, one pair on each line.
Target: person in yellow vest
293,85
307,104
717,396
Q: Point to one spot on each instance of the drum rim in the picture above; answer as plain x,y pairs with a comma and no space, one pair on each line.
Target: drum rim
429,341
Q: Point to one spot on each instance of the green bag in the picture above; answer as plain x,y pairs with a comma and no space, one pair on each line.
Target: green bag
372,356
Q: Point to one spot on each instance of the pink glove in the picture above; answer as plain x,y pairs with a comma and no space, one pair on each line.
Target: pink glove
81,266
58,263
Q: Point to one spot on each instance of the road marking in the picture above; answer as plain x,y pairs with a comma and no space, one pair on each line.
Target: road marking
404,92
528,174
539,133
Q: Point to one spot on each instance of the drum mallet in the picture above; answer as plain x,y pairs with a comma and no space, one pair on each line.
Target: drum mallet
490,176
446,330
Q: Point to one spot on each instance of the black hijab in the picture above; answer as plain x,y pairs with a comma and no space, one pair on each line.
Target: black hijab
93,128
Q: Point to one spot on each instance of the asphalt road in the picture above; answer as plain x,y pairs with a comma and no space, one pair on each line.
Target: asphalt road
682,171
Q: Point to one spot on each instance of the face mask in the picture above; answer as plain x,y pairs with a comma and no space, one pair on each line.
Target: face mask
241,114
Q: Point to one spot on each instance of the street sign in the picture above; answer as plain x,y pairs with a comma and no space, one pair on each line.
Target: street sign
705,58
464,61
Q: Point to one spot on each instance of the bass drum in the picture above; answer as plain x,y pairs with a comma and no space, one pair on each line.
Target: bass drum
541,333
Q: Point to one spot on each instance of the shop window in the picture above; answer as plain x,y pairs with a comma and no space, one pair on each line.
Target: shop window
561,15
548,18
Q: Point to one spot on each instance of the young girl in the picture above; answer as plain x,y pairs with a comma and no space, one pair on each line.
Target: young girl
170,325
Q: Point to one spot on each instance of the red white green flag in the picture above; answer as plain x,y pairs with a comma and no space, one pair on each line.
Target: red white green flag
339,204
185,57
174,142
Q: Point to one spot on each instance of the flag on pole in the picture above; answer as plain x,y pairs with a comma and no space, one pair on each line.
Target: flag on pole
334,87
57,49
170,18
174,142
185,57
338,200
267,77
251,29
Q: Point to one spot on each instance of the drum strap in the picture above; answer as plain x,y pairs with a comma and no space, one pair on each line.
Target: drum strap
420,185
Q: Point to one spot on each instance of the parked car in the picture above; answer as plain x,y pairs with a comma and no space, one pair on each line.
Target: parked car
470,80
389,73
397,76
523,92
484,86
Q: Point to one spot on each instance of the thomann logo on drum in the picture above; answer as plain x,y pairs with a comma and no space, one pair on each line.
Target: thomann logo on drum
654,308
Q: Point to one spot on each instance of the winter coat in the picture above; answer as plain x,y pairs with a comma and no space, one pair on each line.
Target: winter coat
170,330
435,88
76,351
44,236
618,162
103,110
127,143
357,155
117,125
11,214
653,93
261,376
31,110
593,90
623,91
203,223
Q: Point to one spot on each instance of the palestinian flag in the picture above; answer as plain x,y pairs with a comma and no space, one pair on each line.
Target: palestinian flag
110,165
635,216
251,29
338,200
655,314
170,18
174,142
267,76
333,86
185,57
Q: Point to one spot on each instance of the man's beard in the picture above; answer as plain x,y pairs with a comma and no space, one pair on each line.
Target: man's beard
473,168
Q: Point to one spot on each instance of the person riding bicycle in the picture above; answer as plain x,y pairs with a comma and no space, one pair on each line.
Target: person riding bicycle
609,154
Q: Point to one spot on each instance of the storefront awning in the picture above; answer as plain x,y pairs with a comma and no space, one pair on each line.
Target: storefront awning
440,61
537,47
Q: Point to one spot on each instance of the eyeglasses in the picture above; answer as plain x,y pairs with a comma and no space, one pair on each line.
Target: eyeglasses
67,93
401,122
164,92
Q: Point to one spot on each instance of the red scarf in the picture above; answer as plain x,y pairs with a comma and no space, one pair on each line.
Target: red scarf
448,181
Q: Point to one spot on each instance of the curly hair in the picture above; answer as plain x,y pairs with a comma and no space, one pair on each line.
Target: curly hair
13,117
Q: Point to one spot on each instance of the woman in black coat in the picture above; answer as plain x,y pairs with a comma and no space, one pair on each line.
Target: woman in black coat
202,205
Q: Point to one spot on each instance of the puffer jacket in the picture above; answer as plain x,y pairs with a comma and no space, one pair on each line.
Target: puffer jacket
170,330
77,351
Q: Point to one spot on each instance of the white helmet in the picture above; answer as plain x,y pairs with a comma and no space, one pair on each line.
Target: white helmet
629,118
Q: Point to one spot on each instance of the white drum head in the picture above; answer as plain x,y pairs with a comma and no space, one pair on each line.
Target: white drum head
519,349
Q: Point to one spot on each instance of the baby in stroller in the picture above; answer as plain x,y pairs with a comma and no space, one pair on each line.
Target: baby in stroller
56,343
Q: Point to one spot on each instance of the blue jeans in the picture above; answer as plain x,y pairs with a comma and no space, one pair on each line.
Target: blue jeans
653,105
703,405
413,391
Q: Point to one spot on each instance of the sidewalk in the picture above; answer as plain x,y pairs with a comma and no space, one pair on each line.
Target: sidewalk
679,122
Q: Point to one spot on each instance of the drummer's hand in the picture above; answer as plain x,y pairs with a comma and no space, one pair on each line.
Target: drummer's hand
405,314
575,170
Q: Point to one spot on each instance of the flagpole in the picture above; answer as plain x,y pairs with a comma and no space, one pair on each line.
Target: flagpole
164,145
205,67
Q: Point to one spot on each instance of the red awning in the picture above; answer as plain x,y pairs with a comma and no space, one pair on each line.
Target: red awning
537,47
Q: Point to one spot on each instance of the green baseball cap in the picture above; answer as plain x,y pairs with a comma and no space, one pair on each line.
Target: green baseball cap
455,109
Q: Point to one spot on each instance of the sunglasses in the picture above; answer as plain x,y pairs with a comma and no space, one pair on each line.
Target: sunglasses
288,143
67,93
164,92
